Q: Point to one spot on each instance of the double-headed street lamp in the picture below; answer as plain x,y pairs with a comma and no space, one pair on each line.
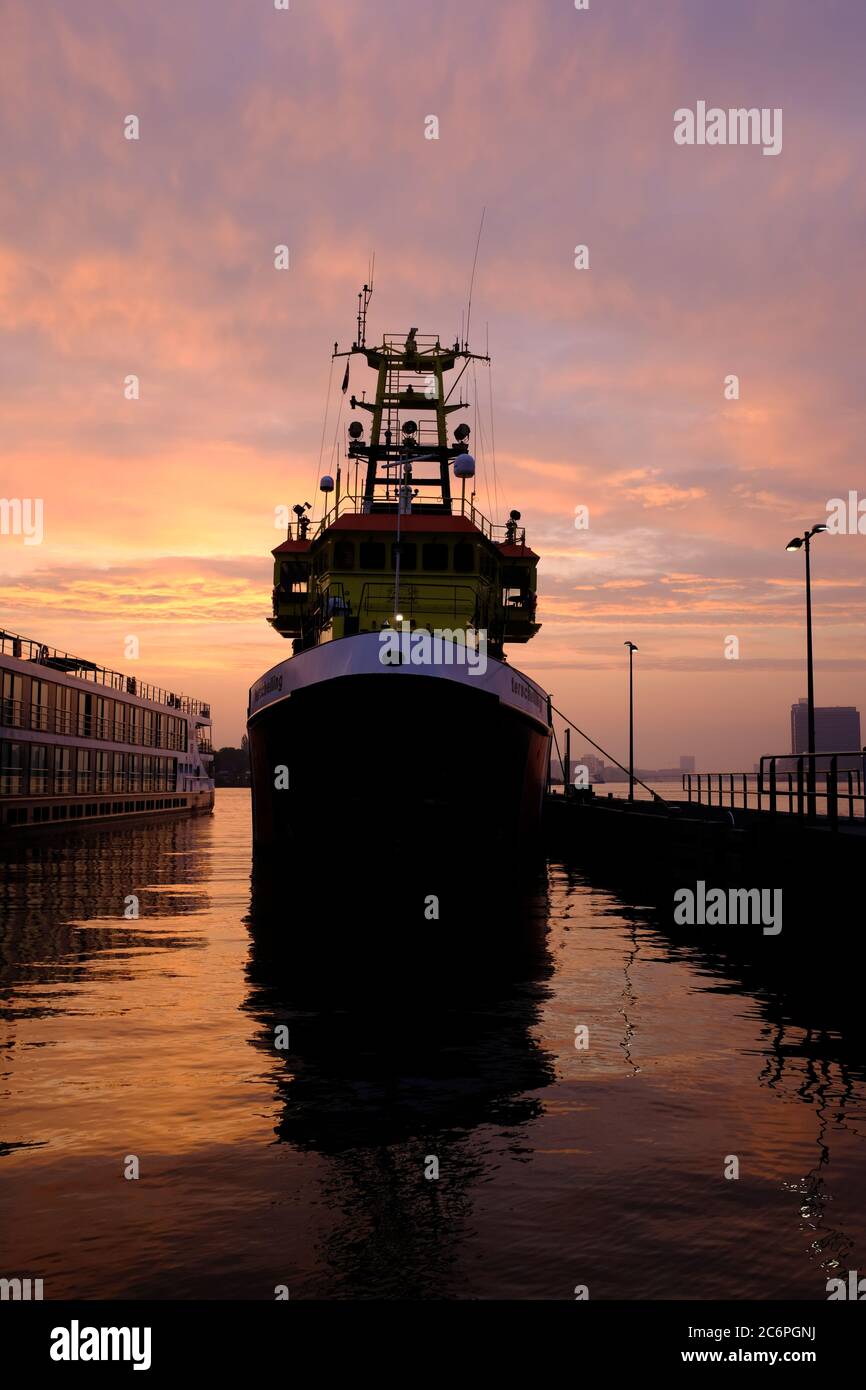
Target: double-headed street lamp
801,543
631,651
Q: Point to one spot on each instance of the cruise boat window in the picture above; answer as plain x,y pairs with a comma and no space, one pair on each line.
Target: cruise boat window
82,774
38,769
11,766
12,713
66,707
38,704
62,770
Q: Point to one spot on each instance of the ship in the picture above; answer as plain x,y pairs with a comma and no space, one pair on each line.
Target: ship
82,743
398,721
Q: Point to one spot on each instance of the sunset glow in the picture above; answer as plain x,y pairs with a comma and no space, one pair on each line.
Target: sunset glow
155,257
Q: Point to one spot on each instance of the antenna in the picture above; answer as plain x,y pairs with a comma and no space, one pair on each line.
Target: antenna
472,278
364,298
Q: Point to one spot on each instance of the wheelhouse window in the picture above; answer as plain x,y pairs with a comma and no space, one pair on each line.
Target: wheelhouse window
514,598
344,555
464,557
434,556
372,555
408,556
515,586
294,577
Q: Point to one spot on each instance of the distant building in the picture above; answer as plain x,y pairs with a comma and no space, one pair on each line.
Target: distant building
837,729
593,764
687,762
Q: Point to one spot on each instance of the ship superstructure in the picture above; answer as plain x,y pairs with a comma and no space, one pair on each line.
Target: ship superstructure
394,603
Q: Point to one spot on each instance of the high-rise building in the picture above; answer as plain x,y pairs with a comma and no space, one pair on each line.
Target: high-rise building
593,764
687,762
837,729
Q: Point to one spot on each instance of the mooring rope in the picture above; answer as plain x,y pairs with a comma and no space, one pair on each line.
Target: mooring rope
654,794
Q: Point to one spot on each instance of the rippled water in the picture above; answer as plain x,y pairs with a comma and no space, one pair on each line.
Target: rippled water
410,1040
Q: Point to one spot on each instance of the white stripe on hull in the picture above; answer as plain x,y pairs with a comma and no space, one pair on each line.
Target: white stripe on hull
360,656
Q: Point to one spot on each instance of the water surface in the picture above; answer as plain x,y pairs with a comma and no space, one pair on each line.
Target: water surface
411,1039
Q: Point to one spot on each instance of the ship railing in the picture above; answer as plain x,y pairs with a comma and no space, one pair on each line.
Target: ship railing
425,343
355,505
458,600
828,787
25,649
15,714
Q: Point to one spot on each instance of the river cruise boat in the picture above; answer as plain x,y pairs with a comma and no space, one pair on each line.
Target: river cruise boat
397,717
81,743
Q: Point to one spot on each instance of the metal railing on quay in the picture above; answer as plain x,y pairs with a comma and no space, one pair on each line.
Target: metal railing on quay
816,787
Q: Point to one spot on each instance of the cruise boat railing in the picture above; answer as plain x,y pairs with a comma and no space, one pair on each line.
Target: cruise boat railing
16,714
25,649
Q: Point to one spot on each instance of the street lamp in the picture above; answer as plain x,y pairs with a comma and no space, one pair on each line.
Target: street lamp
804,542
631,651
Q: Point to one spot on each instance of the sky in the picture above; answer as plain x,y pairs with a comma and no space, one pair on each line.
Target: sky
308,127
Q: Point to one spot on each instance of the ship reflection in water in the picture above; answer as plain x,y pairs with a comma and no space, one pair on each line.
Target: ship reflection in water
414,1043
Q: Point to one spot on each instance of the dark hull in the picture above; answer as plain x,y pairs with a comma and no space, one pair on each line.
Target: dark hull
375,763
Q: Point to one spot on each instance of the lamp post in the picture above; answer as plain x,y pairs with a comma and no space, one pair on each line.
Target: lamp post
631,651
804,542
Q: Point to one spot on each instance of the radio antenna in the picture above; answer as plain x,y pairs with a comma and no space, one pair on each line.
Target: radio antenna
364,298
472,278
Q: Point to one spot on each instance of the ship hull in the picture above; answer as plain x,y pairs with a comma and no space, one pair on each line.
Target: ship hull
349,754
